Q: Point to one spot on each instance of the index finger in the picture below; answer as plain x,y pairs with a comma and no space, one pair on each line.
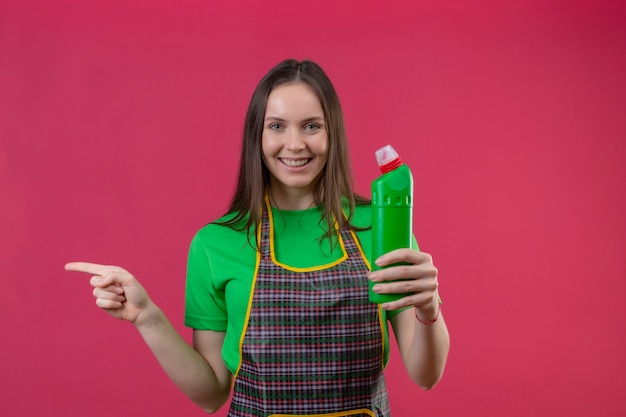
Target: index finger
399,255
94,269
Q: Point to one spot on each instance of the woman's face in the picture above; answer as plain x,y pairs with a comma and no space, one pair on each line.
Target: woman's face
294,142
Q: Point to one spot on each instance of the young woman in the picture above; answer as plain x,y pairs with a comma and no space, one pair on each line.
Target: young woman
277,288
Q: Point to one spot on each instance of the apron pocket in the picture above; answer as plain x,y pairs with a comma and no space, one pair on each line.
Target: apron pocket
362,412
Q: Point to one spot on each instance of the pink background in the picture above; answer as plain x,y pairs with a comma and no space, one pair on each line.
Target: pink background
120,125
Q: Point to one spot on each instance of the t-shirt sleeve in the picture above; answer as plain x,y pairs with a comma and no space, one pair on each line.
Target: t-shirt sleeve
414,244
205,306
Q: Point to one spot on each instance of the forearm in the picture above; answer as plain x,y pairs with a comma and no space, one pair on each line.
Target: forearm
201,381
424,348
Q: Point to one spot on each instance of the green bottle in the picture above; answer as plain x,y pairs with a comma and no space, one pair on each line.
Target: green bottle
392,212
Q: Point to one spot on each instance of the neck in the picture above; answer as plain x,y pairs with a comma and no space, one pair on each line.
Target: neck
293,200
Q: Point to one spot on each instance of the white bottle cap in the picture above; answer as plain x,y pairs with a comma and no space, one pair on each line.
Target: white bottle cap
387,158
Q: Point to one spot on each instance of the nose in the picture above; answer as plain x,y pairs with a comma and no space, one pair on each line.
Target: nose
294,141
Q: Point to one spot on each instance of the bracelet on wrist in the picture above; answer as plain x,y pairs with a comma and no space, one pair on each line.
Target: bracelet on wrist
428,323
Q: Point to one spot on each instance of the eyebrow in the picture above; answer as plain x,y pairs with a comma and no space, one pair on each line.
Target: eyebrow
308,119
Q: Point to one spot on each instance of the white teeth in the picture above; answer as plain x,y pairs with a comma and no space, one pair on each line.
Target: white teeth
295,162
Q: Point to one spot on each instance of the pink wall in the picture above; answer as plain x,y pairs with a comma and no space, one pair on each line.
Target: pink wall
119,135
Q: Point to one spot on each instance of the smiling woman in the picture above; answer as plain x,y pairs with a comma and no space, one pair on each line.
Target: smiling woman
295,145
319,100
283,306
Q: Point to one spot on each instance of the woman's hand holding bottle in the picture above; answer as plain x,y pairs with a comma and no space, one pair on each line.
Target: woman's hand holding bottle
417,275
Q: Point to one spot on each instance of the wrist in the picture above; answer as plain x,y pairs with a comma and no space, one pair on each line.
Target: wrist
429,315
148,317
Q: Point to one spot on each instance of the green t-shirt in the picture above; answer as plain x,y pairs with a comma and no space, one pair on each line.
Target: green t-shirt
222,261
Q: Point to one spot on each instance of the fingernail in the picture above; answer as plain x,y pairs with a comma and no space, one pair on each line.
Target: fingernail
376,288
379,261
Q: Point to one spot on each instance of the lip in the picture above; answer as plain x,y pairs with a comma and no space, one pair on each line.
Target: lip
295,167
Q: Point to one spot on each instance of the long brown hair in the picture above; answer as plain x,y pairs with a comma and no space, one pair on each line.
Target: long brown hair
333,191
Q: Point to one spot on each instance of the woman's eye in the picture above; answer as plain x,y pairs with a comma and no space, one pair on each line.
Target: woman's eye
311,126
274,126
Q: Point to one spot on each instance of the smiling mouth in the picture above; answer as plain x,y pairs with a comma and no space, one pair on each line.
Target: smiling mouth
295,162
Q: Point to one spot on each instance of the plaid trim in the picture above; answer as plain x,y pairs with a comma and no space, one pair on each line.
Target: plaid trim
313,342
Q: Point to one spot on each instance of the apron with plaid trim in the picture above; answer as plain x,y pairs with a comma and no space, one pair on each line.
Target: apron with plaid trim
313,344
